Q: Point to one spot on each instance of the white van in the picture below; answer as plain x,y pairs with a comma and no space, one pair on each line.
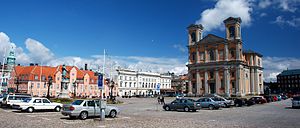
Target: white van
10,99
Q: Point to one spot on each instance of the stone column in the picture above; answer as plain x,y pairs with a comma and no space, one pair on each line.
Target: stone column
198,54
205,55
218,82
238,79
217,54
205,82
226,52
252,81
237,51
257,91
190,84
227,81
199,84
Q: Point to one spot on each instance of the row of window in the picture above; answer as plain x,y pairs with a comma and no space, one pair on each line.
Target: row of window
288,81
289,77
133,78
212,55
143,85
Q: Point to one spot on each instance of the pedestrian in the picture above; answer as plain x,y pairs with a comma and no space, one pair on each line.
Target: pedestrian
158,99
162,100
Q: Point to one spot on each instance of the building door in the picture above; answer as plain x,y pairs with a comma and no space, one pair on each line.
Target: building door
212,88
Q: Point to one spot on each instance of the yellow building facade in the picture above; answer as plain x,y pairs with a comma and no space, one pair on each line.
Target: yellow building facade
220,65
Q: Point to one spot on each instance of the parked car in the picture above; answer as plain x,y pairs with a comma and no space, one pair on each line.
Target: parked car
275,98
182,104
208,102
258,99
296,102
269,98
223,102
279,97
10,99
87,108
284,97
250,102
32,104
239,102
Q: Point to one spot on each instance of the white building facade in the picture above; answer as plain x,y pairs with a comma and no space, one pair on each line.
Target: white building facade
134,83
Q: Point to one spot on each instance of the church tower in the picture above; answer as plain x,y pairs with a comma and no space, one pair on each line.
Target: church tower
195,33
233,28
11,59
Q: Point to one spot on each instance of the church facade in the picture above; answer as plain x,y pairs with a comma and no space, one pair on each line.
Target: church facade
220,65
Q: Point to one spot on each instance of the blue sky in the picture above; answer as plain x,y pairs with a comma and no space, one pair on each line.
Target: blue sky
142,31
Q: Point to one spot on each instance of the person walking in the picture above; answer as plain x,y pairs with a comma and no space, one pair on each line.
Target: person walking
162,100
158,99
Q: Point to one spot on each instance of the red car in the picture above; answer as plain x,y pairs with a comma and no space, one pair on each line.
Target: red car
275,98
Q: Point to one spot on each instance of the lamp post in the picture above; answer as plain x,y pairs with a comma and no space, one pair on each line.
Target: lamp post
49,84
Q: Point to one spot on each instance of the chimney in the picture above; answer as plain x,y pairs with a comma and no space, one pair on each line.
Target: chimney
31,64
85,67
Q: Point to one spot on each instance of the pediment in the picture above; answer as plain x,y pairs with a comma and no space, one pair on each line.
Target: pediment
210,38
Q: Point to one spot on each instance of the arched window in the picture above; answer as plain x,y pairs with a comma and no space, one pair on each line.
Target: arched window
231,31
212,55
193,36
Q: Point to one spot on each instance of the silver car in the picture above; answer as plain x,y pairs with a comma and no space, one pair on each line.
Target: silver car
296,102
223,102
87,108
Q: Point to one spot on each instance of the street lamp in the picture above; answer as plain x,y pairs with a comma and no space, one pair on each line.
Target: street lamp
49,84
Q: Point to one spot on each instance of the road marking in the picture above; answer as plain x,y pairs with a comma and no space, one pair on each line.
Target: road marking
6,111
70,122
125,117
45,118
102,126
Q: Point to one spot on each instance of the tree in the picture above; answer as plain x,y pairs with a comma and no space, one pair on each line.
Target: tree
49,85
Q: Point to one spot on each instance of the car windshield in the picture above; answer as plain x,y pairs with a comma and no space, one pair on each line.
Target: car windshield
26,100
77,102
296,98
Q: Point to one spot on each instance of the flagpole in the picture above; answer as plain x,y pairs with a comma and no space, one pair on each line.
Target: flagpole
103,71
2,72
41,71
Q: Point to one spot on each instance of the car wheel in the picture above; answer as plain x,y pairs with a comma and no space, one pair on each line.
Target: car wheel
226,106
211,107
186,109
57,109
113,113
236,105
30,110
83,115
167,108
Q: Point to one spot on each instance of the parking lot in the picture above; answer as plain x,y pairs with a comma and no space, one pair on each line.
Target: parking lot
145,112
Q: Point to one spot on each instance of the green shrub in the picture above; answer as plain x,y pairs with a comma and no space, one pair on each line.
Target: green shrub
62,100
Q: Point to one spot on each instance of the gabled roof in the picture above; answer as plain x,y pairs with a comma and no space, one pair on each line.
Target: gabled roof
211,38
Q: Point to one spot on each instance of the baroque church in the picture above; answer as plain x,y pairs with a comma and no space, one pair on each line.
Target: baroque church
220,65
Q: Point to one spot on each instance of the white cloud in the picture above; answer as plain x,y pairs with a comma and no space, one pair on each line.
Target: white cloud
263,14
264,3
294,22
38,52
213,18
289,5
274,65
180,47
